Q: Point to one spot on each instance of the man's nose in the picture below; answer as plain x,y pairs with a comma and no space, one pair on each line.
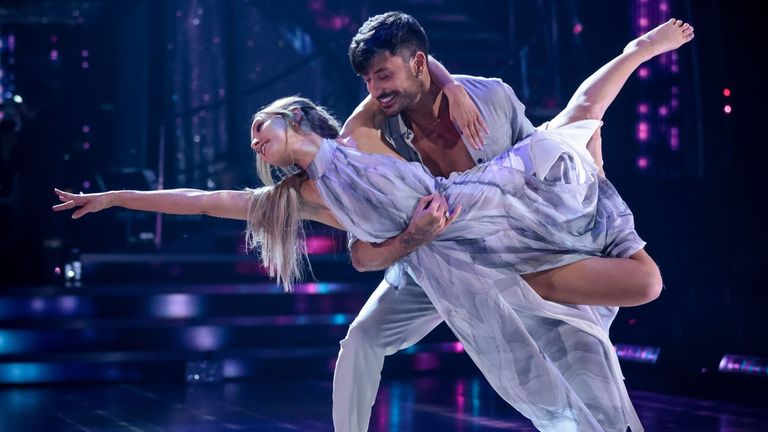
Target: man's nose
373,90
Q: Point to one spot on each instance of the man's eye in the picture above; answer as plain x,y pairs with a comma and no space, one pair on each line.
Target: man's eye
258,127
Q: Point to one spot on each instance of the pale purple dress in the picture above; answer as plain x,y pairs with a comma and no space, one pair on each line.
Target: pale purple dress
553,362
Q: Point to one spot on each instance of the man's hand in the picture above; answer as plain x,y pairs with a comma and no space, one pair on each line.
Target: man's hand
465,115
429,220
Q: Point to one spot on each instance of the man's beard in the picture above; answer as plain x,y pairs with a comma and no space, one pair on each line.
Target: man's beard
402,99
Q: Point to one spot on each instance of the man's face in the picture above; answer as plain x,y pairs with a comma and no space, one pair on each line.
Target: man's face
392,81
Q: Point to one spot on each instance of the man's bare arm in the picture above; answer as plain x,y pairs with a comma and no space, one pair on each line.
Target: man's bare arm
428,221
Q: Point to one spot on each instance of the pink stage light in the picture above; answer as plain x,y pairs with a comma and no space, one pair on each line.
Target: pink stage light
642,162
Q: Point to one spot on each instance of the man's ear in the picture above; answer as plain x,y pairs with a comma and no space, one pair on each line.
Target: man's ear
419,62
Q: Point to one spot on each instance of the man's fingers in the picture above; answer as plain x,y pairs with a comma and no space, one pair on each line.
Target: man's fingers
425,201
435,204
456,212
442,208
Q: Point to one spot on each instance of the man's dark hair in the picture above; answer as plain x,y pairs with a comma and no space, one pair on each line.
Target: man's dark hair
391,32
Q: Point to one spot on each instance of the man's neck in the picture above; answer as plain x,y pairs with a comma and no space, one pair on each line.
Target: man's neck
425,112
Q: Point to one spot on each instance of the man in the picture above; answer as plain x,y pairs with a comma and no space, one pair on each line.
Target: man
389,52
408,112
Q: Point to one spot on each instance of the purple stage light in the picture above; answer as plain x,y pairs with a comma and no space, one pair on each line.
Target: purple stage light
175,306
642,162
733,363
320,245
635,353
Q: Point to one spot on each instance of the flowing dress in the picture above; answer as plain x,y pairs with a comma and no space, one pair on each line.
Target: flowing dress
553,362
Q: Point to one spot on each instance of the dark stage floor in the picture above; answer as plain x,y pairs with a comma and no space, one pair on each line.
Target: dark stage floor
420,404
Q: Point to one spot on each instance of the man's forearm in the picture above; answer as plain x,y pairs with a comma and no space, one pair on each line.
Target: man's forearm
378,256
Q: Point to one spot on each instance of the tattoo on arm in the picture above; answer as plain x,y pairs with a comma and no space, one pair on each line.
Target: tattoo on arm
411,241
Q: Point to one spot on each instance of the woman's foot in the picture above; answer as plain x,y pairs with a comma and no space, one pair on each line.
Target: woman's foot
666,37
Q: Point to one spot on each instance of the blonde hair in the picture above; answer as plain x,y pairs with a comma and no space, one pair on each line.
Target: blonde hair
275,227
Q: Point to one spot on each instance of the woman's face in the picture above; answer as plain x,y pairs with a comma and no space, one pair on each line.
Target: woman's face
271,138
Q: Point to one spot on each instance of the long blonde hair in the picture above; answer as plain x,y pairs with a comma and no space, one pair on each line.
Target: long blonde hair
275,227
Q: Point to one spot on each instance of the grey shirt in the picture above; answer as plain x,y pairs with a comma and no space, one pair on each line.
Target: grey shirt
502,111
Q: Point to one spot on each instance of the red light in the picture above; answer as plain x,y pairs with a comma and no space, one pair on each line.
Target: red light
726,92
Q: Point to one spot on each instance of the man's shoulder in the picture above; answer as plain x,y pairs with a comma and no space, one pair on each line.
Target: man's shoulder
480,82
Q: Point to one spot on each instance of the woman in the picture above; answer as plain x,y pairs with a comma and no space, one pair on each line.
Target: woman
553,362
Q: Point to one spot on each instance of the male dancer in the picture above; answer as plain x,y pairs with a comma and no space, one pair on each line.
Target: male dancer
408,112
389,52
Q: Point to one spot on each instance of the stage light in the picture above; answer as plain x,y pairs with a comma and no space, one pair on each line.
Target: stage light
731,363
205,371
727,109
641,354
642,132
18,99
674,139
577,28
642,162
726,92
176,306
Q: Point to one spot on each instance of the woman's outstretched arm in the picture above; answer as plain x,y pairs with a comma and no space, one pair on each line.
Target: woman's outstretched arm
224,204
597,92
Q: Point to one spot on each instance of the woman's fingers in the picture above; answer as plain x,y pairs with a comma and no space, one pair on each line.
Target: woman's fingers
66,206
80,212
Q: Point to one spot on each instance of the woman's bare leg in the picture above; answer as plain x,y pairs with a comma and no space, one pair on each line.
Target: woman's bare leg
597,92
609,281
601,281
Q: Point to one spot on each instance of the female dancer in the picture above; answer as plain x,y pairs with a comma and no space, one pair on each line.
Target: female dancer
553,362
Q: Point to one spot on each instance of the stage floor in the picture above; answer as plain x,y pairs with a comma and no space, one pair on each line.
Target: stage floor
419,404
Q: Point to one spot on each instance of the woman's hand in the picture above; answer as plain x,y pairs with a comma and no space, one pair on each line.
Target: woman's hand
465,115
87,203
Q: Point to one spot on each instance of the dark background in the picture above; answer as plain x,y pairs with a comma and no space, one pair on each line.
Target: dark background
172,84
